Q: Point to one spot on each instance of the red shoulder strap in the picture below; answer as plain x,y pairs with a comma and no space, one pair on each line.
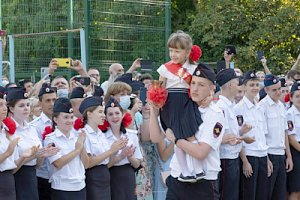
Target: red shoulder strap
179,71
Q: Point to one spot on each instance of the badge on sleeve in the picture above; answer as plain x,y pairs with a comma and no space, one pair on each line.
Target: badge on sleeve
290,125
217,129
240,120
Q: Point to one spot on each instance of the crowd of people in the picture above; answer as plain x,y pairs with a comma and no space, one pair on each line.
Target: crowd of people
219,134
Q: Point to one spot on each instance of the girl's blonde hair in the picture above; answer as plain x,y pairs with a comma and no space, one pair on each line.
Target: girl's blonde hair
180,40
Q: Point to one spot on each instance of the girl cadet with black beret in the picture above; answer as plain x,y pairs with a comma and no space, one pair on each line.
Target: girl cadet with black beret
67,169
25,177
98,149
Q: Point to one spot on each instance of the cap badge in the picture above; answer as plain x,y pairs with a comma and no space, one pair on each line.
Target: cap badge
274,80
198,73
252,75
71,110
25,95
47,90
112,105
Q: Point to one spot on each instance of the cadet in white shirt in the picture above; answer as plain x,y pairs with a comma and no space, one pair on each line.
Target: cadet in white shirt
254,156
9,156
98,149
126,160
47,97
25,177
277,140
206,150
229,179
68,166
293,120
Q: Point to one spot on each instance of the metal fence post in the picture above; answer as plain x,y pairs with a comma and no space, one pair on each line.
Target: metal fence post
83,48
11,59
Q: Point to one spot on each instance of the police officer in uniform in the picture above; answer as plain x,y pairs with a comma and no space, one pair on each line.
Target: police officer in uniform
277,140
206,149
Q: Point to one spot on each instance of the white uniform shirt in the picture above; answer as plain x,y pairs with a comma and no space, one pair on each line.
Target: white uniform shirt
8,163
275,119
211,116
132,140
253,115
40,124
28,138
96,143
293,119
71,177
231,126
174,81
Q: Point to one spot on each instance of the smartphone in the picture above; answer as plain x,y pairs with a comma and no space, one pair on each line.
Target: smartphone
143,95
2,33
230,49
63,62
260,54
146,65
231,65
86,81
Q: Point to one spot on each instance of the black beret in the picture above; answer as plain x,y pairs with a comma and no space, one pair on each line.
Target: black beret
249,75
90,102
295,86
46,89
98,91
136,85
230,49
3,92
225,76
77,92
126,78
112,102
15,93
283,82
270,79
62,105
205,71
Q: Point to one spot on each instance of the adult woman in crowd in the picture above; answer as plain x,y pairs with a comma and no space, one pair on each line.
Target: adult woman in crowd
98,149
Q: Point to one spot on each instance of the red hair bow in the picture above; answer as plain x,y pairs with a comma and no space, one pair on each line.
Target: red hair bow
196,53
78,124
9,125
127,119
48,130
104,126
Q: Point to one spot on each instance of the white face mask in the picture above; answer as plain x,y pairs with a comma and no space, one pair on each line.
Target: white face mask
125,102
62,93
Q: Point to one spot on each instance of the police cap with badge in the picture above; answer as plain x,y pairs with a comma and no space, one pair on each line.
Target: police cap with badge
46,89
204,71
3,92
62,105
270,80
224,76
16,93
90,102
249,75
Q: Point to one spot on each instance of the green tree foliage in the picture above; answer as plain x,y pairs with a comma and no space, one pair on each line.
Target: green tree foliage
250,25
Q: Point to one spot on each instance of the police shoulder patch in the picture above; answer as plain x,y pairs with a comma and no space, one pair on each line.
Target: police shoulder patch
290,125
240,119
217,129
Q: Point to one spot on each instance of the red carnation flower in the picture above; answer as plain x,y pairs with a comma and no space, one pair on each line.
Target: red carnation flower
9,125
78,124
127,119
287,97
196,53
157,94
48,130
104,126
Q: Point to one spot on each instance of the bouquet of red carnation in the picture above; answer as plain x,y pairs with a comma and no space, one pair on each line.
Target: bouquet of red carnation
157,94
78,124
127,120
